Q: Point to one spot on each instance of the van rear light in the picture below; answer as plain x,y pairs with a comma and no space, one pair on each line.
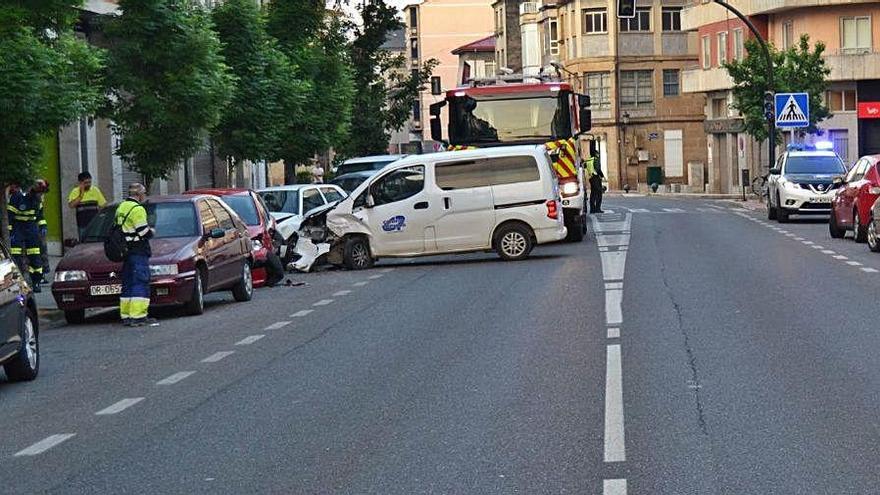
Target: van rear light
569,187
552,209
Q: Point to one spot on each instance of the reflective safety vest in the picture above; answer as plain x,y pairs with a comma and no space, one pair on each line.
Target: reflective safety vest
132,217
24,210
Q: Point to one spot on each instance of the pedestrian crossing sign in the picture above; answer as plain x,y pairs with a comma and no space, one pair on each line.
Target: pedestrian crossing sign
792,110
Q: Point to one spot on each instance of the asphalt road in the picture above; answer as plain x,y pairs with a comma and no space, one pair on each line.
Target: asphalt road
688,347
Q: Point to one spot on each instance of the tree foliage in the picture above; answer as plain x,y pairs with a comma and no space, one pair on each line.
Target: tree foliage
798,69
168,82
385,91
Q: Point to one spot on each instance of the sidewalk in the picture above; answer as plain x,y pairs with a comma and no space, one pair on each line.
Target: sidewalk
49,311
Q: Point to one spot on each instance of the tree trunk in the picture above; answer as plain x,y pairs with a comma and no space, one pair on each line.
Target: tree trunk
289,172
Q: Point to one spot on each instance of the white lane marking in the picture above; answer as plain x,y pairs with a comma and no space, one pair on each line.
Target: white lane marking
217,356
45,444
639,210
789,235
816,246
323,302
250,340
828,251
673,210
301,313
171,380
613,333
869,270
359,284
374,277
613,311
853,263
622,226
614,487
784,232
840,257
615,450
341,293
277,325
613,285
799,238
387,270
119,406
613,264
716,207
808,243
608,212
612,240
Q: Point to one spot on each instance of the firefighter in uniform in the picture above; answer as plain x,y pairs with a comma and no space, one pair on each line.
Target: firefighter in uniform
25,212
131,215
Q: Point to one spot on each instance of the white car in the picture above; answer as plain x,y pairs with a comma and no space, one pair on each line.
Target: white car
801,183
288,205
503,199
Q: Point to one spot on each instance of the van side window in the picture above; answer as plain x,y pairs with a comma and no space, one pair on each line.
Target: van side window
398,185
486,172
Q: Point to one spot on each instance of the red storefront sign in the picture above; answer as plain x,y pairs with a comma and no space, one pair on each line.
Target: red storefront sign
869,110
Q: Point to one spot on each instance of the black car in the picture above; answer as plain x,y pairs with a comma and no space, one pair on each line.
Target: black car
349,182
19,326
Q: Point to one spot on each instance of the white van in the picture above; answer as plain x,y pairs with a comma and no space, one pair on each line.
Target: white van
504,199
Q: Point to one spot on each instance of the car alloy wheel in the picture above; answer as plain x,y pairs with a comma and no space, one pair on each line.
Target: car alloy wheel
514,244
359,255
30,344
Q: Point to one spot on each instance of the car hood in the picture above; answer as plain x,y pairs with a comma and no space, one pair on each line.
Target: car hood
281,216
90,256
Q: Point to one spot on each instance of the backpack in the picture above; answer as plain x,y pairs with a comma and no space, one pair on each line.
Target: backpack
115,245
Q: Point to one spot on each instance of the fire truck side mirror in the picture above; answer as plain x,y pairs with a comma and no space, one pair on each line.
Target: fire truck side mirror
584,101
436,87
585,119
435,109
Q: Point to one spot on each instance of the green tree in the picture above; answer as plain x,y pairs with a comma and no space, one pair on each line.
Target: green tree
48,77
251,126
385,91
798,69
168,82
316,45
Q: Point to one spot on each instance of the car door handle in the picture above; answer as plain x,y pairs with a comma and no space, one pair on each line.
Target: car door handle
421,205
446,203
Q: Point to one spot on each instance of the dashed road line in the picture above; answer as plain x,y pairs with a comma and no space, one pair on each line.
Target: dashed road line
807,243
613,333
840,257
816,246
799,238
639,210
171,380
615,450
374,277
119,406
301,313
853,263
359,284
250,340
217,356
45,444
614,487
613,303
323,302
828,251
789,235
277,325
673,210
869,270
387,270
341,293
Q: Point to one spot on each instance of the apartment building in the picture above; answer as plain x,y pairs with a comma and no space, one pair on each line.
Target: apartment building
646,128
435,28
508,37
846,28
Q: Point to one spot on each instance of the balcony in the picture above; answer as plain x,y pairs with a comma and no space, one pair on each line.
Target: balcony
528,8
853,67
702,81
773,6
701,14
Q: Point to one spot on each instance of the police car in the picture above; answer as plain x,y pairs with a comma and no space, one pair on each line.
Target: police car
802,182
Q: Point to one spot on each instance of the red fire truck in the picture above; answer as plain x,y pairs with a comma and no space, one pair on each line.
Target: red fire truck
513,110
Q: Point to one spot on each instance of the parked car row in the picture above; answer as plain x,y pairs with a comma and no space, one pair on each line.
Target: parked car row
855,208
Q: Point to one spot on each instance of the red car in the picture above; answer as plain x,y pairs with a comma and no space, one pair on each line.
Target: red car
200,245
851,208
261,229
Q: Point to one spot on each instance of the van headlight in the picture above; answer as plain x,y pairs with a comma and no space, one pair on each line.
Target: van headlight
70,276
160,270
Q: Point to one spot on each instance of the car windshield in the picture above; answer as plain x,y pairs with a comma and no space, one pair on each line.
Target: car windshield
490,121
830,165
168,219
281,201
244,205
347,168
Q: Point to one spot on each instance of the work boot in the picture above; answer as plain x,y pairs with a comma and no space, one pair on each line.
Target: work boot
144,322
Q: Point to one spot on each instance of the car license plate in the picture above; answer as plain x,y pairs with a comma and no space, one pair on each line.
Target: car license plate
821,199
106,290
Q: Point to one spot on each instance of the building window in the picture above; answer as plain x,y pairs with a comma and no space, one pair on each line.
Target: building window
641,22
636,88
707,52
719,108
671,18
595,21
787,35
413,18
598,86
417,111
855,34
722,48
738,44
841,100
414,49
671,83
551,38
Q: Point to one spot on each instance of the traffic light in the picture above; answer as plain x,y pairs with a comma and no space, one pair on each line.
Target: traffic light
769,105
626,9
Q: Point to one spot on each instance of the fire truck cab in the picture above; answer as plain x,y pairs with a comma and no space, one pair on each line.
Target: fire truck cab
513,110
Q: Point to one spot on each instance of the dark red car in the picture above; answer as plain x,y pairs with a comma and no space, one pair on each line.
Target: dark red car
851,208
200,245
261,229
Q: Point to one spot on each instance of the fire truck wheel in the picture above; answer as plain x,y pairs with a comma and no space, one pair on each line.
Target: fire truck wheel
575,228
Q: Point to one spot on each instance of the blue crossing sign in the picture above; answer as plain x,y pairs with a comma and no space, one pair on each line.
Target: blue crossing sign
792,110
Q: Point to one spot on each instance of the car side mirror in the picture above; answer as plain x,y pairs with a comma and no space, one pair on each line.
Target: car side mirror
217,233
369,202
837,180
775,171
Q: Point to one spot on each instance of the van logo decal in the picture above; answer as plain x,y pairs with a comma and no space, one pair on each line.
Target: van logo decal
394,224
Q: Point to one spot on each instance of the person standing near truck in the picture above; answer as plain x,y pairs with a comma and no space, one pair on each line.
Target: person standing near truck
594,171
131,216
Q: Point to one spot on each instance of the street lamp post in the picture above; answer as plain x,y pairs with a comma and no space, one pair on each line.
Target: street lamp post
771,120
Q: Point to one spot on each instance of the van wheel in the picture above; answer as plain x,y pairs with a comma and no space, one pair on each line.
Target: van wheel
26,364
356,254
575,227
244,289
513,242
196,304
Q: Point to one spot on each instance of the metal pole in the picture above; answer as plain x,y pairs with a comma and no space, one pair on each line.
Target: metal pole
771,123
